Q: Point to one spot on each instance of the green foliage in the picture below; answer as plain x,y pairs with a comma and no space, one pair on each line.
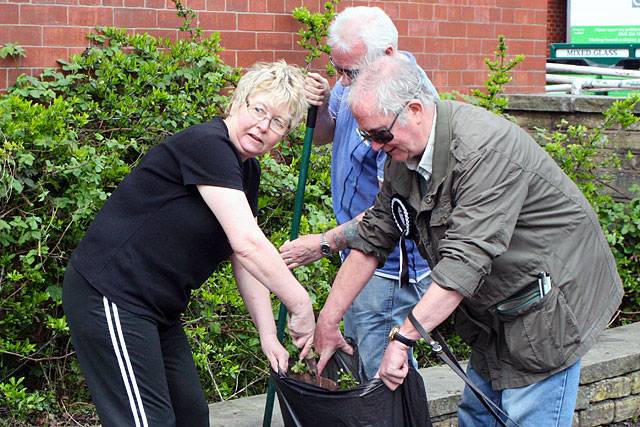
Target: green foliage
12,50
579,152
315,27
346,380
19,401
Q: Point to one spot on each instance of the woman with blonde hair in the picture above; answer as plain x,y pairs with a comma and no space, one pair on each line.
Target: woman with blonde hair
190,204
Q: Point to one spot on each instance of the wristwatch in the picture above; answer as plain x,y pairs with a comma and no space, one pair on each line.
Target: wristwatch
324,245
395,335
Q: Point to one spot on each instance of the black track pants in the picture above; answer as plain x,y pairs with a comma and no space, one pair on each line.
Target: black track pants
139,373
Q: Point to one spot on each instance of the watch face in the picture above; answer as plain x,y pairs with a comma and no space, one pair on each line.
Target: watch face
325,249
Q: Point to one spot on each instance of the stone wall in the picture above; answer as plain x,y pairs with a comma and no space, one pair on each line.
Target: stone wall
609,384
543,111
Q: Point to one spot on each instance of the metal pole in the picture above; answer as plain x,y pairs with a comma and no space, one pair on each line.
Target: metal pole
295,227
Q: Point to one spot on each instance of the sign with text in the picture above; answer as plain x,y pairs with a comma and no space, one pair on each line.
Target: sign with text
595,21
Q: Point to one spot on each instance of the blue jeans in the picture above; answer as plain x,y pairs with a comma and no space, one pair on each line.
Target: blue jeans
377,308
547,403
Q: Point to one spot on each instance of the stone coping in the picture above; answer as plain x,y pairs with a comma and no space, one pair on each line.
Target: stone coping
562,103
616,353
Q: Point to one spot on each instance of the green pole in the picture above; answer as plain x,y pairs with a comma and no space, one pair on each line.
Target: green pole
295,227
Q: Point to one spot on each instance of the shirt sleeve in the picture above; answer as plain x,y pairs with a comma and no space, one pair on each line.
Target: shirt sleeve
377,233
336,99
207,158
252,183
381,158
489,195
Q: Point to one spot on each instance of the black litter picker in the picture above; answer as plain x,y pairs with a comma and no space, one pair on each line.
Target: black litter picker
307,402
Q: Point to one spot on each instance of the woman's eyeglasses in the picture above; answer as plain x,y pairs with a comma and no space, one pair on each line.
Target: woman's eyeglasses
351,74
259,113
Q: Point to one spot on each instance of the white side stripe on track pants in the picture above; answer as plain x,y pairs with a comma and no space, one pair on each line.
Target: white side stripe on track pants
120,348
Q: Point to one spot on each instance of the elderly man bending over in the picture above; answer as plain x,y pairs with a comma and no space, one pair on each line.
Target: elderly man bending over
516,251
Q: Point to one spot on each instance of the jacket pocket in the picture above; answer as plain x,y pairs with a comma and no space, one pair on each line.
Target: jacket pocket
542,336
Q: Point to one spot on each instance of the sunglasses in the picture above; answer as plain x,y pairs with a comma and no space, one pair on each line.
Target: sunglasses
351,74
382,135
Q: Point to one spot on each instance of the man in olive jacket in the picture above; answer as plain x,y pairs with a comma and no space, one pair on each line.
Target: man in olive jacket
515,248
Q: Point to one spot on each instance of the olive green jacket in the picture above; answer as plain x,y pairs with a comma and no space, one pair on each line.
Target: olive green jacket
496,212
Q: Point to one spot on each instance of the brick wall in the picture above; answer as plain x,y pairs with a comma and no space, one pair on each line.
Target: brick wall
450,38
556,22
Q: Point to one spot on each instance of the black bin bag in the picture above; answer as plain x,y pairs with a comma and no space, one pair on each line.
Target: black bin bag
369,404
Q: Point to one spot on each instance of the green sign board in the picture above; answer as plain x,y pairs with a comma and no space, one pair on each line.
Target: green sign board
598,22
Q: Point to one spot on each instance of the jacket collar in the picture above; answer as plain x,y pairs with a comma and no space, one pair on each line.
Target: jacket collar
441,151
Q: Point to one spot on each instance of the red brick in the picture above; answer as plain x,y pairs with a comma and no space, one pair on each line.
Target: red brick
411,44
238,40
465,45
155,4
533,32
402,25
229,57
237,5
482,31
44,56
135,18
21,34
89,3
4,80
454,13
479,14
133,3
275,6
495,15
390,8
49,15
453,62
196,4
218,20
8,13
90,16
255,22
524,47
438,45
67,2
508,15
313,5
169,19
275,41
422,29
409,11
247,58
258,6
440,12
510,31
454,78
452,29
216,5
65,36
285,23
508,3
428,63
112,3
425,11
295,57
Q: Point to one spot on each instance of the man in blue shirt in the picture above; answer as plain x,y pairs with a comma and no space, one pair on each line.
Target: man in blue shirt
358,35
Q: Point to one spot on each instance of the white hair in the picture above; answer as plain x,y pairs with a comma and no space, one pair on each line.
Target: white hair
393,81
369,26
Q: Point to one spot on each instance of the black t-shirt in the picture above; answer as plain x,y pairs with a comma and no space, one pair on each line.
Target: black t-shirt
155,239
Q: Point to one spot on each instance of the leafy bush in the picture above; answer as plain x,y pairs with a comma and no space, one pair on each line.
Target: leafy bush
67,139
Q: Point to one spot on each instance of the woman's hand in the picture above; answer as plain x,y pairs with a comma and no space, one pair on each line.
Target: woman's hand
275,352
302,251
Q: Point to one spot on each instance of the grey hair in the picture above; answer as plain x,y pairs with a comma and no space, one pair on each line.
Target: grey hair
392,80
283,83
361,24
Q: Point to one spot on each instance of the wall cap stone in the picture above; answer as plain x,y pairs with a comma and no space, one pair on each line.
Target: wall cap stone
560,103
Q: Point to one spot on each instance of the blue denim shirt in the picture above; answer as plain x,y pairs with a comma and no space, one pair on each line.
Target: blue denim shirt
356,173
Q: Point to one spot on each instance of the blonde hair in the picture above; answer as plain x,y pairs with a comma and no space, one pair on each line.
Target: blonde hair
283,83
